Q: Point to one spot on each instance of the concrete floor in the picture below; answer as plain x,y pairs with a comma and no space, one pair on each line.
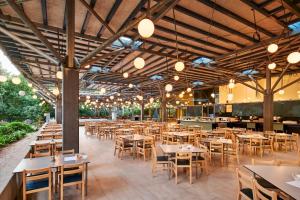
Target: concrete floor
111,178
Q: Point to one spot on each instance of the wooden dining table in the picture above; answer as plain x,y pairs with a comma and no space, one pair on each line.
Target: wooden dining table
52,143
279,176
48,135
54,164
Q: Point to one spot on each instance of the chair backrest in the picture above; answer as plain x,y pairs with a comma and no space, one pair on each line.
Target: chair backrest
154,154
72,169
37,155
216,146
41,147
261,193
147,142
263,162
288,162
183,156
36,175
66,152
295,136
244,180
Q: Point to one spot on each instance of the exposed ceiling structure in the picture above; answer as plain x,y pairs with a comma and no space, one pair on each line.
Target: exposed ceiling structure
217,40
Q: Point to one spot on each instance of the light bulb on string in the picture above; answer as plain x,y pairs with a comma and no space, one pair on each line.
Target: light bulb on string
139,63
272,65
272,48
146,28
179,66
59,75
168,95
293,57
168,87
176,78
125,75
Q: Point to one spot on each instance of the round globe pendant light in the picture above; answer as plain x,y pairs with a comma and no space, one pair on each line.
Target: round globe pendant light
111,97
16,80
168,87
180,95
59,75
139,63
179,66
189,89
22,93
102,90
176,78
177,102
125,75
146,28
34,96
30,85
230,97
231,84
168,95
3,78
272,66
213,95
272,48
55,91
130,85
281,92
151,100
294,57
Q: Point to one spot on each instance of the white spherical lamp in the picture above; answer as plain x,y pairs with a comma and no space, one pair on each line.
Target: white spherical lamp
16,80
125,75
151,100
189,89
102,90
176,78
111,97
272,65
177,102
55,91
34,96
230,97
168,95
59,75
146,28
139,63
22,93
180,95
281,92
168,87
272,48
3,78
294,57
179,66
130,85
213,95
30,85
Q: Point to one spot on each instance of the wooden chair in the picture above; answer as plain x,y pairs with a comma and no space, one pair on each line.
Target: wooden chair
261,193
162,161
164,138
245,185
201,161
171,139
288,162
38,155
294,140
280,142
72,175
36,181
125,146
232,151
42,148
144,148
268,145
192,139
216,148
260,180
182,160
255,145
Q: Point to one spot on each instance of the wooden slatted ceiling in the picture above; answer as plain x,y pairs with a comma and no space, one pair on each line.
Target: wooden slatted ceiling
205,28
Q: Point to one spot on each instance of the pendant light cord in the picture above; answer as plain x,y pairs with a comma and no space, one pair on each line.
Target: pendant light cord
176,35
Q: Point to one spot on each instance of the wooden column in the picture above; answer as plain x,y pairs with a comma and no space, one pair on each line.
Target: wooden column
268,103
58,110
142,110
163,107
70,86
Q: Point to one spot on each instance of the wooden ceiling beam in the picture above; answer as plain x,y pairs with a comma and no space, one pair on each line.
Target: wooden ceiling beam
44,12
87,17
291,5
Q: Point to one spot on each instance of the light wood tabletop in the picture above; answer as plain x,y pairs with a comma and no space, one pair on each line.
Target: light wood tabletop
135,137
40,142
186,148
278,176
252,136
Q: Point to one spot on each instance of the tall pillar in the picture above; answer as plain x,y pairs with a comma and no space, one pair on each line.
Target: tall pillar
268,103
70,86
142,110
163,107
58,110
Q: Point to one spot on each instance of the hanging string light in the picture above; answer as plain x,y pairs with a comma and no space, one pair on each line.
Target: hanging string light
176,77
230,97
151,100
231,83
146,26
55,91
125,75
130,85
168,95
59,74
3,78
30,85
102,90
189,89
16,80
168,87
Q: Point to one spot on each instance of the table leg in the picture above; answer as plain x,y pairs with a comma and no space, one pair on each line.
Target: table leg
86,178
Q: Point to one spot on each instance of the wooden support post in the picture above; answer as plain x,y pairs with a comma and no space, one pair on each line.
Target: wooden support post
142,110
268,103
163,107
70,86
58,110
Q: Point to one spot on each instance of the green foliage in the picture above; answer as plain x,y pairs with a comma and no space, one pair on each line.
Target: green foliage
13,131
14,107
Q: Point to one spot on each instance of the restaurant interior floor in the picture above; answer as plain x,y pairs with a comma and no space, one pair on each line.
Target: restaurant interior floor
111,178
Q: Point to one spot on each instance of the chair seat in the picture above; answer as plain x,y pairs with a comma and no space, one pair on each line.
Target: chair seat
248,192
72,178
181,162
162,158
194,158
128,145
33,185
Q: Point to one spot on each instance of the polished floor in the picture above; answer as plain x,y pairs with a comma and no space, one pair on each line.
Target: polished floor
111,178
